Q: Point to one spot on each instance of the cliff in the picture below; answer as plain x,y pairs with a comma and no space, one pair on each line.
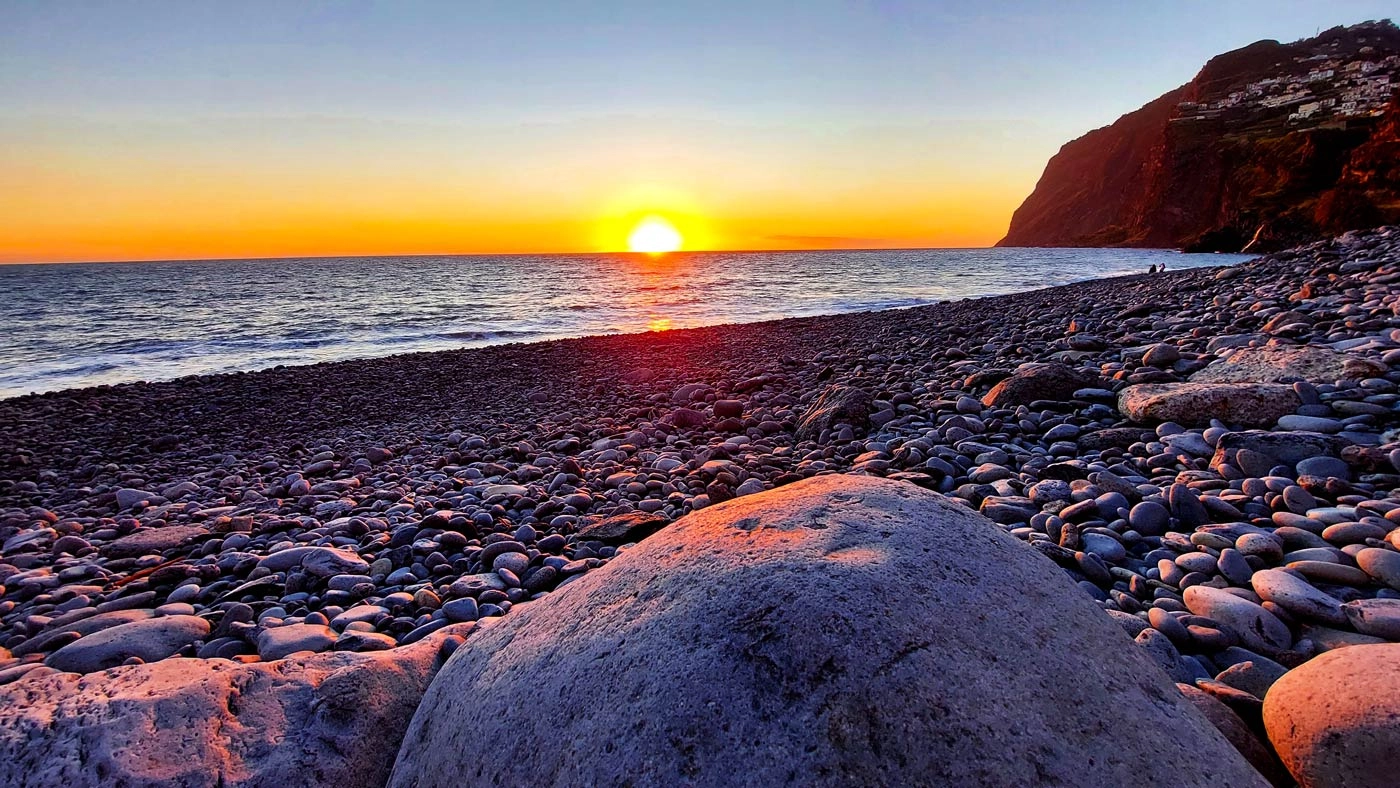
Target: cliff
1270,145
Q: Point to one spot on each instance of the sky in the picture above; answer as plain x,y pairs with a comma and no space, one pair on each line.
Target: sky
193,130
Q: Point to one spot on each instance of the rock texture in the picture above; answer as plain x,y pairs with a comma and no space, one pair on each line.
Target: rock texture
836,405
1335,721
328,719
1280,448
1177,173
1287,364
1039,382
1195,404
835,631
153,541
623,528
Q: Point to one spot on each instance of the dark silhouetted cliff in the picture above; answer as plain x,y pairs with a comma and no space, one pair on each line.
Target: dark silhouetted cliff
1270,145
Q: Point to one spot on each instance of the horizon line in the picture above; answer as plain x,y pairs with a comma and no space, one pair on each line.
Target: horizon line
782,250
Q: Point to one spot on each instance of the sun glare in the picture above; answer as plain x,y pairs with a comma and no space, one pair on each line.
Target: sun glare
654,235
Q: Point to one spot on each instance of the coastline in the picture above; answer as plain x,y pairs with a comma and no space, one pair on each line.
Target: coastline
175,330
432,490
425,391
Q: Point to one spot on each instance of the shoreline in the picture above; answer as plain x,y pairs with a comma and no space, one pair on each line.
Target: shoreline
392,357
1141,432
113,355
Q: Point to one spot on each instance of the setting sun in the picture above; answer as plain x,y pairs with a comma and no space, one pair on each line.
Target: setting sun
654,235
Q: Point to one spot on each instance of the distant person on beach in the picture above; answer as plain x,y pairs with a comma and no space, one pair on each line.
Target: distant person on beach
1152,269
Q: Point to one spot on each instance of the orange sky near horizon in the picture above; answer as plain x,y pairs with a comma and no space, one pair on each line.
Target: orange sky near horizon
171,195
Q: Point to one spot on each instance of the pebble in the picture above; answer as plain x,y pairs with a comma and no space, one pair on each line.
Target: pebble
278,642
1376,617
1256,628
464,609
1329,571
1149,518
1325,467
1381,564
1352,533
149,639
1254,676
1309,424
1297,596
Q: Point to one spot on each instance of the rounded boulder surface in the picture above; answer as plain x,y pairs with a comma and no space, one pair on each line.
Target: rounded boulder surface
323,719
839,630
1335,719
149,639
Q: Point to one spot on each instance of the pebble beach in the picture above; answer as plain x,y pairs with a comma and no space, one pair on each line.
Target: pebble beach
1210,455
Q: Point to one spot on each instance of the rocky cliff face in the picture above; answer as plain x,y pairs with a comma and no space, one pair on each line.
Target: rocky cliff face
1270,145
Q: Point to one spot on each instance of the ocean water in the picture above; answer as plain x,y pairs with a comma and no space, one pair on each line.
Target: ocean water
66,326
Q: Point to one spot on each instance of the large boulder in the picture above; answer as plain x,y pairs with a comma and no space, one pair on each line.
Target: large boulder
1033,382
838,404
840,630
1335,720
328,719
1195,404
1288,363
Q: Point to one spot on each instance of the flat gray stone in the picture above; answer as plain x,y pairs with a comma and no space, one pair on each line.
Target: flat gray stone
837,404
1286,364
85,626
278,642
328,562
128,497
1195,404
150,639
1040,381
1375,617
317,560
151,541
623,528
1257,628
1281,448
1297,596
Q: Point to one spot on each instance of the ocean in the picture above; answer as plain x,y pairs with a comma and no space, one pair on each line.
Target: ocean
88,324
